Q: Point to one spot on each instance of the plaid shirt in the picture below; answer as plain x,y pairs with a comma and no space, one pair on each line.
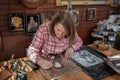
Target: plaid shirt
44,43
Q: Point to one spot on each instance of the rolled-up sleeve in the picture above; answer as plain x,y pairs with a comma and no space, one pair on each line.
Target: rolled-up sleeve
35,47
77,43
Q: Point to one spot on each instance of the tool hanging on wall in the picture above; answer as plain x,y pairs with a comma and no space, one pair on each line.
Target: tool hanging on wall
74,14
69,7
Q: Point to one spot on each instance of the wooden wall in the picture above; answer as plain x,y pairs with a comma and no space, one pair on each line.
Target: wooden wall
17,42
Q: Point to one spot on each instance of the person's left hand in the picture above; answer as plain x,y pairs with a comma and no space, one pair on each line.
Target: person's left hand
69,52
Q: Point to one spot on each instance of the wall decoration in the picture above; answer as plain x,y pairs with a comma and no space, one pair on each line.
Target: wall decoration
16,22
75,16
91,13
32,23
33,3
1,44
74,13
116,2
81,2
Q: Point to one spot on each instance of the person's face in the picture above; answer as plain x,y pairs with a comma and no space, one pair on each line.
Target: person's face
60,31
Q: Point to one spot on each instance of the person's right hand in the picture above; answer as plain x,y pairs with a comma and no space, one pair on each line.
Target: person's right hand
45,64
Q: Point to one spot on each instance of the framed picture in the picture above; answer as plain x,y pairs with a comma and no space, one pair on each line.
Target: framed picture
116,2
16,22
81,2
91,13
86,58
32,23
1,44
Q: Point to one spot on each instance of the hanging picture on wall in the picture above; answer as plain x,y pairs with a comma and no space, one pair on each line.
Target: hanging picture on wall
16,22
32,23
91,13
1,45
81,2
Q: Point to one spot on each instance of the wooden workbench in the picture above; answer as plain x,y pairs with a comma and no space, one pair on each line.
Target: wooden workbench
80,75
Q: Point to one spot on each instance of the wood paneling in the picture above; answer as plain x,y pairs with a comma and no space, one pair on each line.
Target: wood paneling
85,33
14,44
17,42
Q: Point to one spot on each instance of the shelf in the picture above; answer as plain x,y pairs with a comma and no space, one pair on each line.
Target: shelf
108,31
98,36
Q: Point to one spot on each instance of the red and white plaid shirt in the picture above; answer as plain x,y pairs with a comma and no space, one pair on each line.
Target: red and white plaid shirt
44,43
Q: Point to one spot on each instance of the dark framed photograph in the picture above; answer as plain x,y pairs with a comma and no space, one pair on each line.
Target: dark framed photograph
91,13
1,44
32,23
16,22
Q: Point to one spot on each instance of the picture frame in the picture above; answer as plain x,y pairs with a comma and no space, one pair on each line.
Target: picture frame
81,2
116,2
16,22
32,23
91,13
82,56
1,43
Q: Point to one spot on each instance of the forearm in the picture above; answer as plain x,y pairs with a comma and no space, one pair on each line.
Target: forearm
77,44
33,54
